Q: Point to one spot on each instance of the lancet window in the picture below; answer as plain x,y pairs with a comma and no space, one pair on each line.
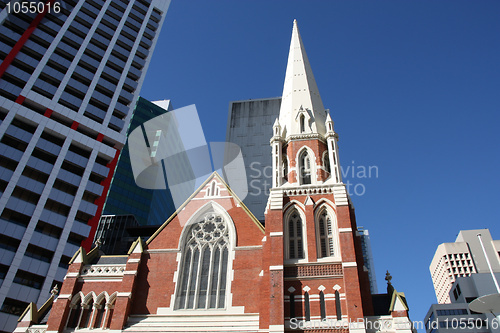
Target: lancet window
295,237
326,235
305,168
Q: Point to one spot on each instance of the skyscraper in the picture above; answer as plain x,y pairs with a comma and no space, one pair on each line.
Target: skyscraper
249,125
460,274
462,258
124,196
68,80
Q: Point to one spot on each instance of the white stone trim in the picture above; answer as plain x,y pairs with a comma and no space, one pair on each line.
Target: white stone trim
152,251
249,247
124,294
72,274
134,260
350,264
63,296
276,233
345,229
276,268
276,328
130,273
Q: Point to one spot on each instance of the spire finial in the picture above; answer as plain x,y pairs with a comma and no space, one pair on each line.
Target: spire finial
300,90
388,277
55,290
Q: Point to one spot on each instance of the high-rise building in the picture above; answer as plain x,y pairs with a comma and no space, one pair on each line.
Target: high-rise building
214,267
69,78
461,270
124,196
249,125
462,258
366,249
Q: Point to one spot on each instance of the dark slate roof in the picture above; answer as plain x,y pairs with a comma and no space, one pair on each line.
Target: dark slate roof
381,304
111,260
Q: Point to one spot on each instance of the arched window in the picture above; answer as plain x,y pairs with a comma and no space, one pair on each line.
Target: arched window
322,305
74,312
305,168
295,240
302,123
326,162
326,235
292,305
87,314
285,168
307,307
204,265
337,305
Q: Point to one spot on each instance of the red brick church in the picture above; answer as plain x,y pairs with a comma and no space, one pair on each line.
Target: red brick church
213,267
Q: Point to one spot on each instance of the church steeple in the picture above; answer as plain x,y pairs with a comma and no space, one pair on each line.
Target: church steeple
302,110
304,143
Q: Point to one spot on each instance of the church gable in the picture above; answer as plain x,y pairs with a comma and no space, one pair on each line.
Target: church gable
203,257
213,195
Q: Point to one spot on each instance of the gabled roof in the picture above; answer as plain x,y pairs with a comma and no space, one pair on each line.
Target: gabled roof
202,186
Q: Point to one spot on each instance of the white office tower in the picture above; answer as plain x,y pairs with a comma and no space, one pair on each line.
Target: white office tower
462,258
69,79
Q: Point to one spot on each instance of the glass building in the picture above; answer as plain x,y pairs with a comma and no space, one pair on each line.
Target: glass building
150,207
69,78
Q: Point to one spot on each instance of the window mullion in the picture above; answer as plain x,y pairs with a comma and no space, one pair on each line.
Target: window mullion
188,287
219,276
198,279
209,282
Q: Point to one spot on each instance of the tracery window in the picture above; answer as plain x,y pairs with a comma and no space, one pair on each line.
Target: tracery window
326,235
204,265
295,239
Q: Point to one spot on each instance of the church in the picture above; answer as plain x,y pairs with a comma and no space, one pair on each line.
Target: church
214,267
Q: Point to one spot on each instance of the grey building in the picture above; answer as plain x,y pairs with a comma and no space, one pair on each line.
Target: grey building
67,88
462,258
460,274
250,126
456,316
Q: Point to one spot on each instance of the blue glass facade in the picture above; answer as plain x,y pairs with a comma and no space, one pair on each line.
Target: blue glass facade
150,207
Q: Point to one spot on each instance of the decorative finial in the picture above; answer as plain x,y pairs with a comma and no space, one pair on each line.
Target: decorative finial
388,277
98,243
55,290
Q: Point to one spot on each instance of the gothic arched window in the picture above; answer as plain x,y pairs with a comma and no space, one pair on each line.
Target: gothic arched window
326,235
326,162
204,265
305,168
295,239
285,168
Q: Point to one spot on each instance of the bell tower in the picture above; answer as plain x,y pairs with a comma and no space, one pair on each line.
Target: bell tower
314,253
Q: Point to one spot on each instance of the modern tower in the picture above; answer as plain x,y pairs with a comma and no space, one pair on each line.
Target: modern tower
249,125
69,78
124,196
460,274
462,258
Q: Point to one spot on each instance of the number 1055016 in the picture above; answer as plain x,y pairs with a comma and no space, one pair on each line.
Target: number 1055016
33,7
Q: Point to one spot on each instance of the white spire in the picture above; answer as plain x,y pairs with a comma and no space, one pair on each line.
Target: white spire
300,97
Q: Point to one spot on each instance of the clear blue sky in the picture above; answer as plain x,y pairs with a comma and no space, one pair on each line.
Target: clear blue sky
413,88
